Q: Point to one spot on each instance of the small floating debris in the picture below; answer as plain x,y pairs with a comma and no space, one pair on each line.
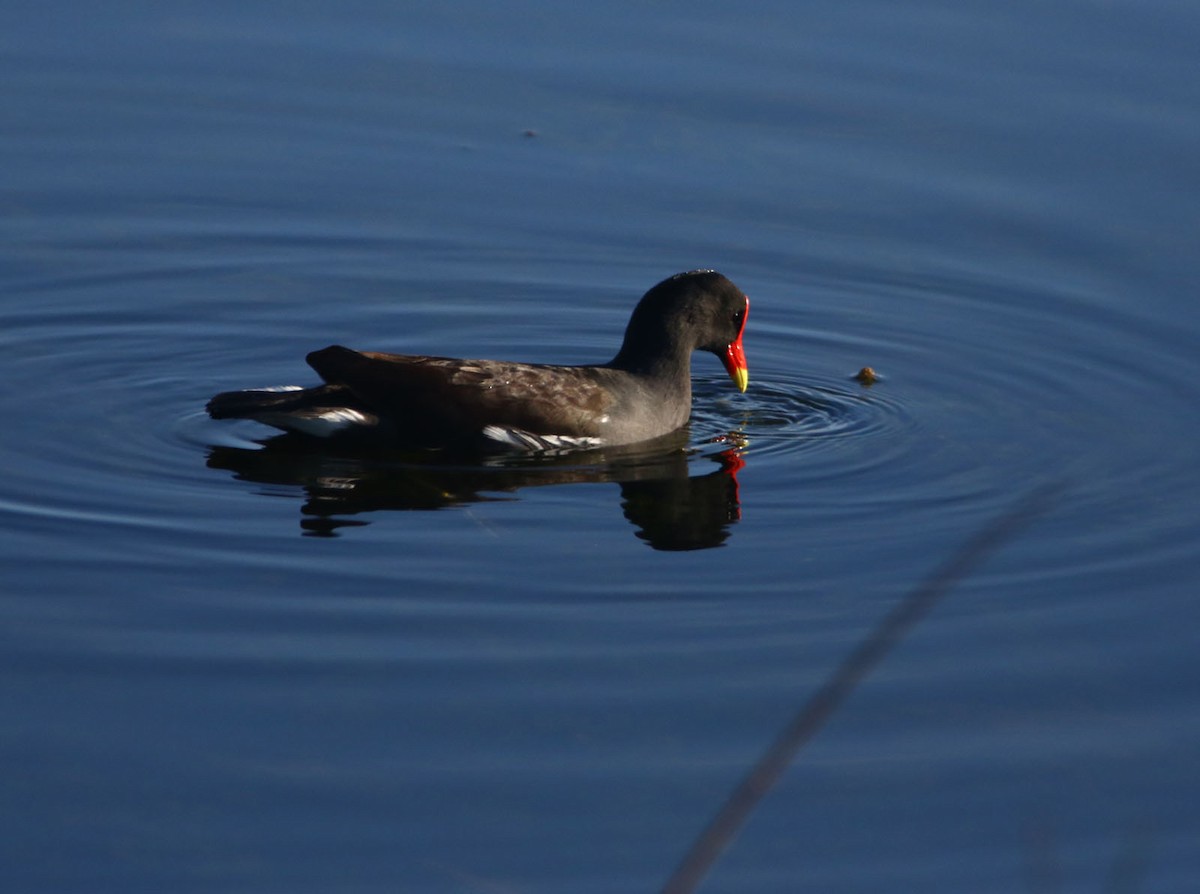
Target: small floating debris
866,376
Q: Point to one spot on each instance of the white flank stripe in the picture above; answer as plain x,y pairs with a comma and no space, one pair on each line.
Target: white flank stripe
320,425
524,440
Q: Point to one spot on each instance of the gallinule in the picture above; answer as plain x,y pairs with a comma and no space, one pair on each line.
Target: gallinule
642,393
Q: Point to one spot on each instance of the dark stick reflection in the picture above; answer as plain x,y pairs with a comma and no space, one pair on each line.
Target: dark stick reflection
814,714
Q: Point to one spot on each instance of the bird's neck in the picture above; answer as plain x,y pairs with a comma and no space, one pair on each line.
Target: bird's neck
655,356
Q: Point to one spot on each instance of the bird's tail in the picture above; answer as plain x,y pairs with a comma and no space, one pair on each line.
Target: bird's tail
323,411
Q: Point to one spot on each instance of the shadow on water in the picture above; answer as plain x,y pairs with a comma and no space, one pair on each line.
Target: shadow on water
670,508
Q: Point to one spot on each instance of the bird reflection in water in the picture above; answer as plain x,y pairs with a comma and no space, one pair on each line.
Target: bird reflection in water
670,508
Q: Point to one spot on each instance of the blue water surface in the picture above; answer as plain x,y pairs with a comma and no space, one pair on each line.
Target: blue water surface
234,668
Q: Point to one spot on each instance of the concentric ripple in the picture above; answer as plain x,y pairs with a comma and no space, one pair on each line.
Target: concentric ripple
994,389
787,413
959,420
117,401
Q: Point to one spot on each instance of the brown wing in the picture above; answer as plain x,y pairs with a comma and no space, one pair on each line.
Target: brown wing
454,397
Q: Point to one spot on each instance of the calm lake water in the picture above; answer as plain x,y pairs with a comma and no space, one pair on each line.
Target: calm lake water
230,667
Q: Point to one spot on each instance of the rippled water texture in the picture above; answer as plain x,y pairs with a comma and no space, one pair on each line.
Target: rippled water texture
236,663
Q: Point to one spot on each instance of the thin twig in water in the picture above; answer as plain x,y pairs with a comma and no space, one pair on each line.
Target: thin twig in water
817,711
